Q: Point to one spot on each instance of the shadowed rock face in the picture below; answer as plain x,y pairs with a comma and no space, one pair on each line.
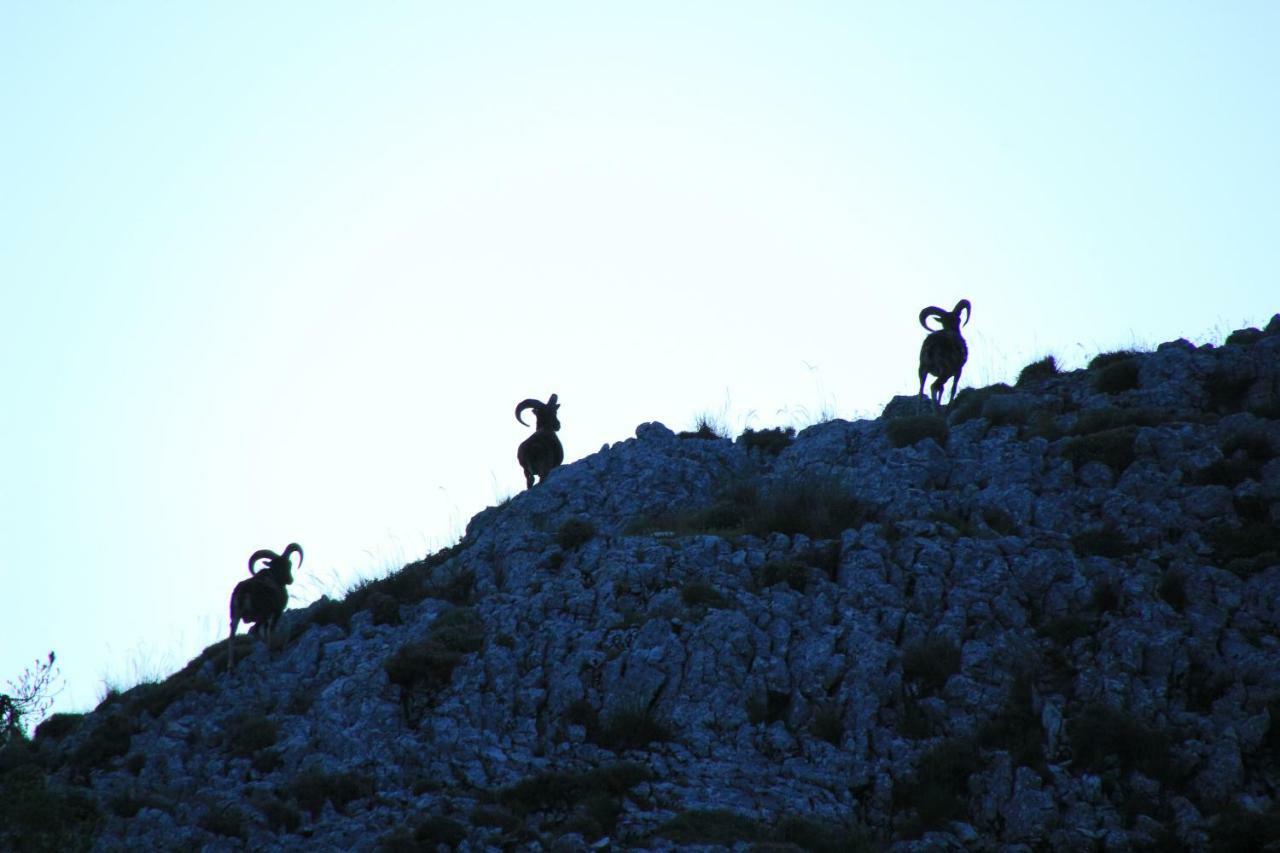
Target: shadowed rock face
1054,619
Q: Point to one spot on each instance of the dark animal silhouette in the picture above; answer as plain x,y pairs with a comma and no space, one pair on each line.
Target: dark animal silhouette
944,351
262,598
540,452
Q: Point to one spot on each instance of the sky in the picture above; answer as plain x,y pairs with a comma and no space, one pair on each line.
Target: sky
280,272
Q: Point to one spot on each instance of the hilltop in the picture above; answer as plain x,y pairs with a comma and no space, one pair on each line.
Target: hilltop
1044,617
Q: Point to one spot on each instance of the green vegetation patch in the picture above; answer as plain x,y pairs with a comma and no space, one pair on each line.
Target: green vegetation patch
425,837
631,726
818,506
590,801
767,442
36,814
711,826
929,663
970,402
1117,376
1106,359
249,733
791,572
912,429
1247,549
1016,728
430,662
1227,387
312,788
109,739
706,428
1102,736
226,820
828,723
697,594
938,793
574,533
1111,447
58,726
1038,371
1106,540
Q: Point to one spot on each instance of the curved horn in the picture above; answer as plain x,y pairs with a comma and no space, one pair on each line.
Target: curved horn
963,305
294,547
260,554
931,311
527,404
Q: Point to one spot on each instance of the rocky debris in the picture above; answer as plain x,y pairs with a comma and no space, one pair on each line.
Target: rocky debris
1043,617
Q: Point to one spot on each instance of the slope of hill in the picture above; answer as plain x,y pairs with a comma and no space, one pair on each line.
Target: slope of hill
1046,617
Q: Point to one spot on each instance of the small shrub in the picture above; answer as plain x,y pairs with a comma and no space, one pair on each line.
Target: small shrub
575,532
384,608
969,403
711,826
592,800
707,428
109,739
819,507
768,442
438,829
911,429
816,836
1016,728
960,522
1107,359
1117,376
1065,630
1105,541
631,726
312,788
58,726
937,793
430,662
696,594
1228,387
790,572
248,734
1235,830
226,820
1038,371
999,521
498,817
1101,735
930,663
456,588
1244,337
1246,549
828,724
37,815
1111,447
1173,589
1244,453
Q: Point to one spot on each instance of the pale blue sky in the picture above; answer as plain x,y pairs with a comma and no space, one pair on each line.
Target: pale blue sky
277,272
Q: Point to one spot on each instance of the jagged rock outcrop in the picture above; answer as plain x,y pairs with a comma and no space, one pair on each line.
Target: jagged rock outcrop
1045,617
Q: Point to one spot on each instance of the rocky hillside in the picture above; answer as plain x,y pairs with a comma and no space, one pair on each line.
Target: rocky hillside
1045,617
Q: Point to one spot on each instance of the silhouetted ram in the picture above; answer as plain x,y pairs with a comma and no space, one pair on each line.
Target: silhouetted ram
542,451
261,598
944,351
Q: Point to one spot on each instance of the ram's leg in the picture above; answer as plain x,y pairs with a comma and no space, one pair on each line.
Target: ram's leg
955,383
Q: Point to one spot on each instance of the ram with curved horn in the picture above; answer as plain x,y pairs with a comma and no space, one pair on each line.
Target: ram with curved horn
262,597
944,351
542,451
